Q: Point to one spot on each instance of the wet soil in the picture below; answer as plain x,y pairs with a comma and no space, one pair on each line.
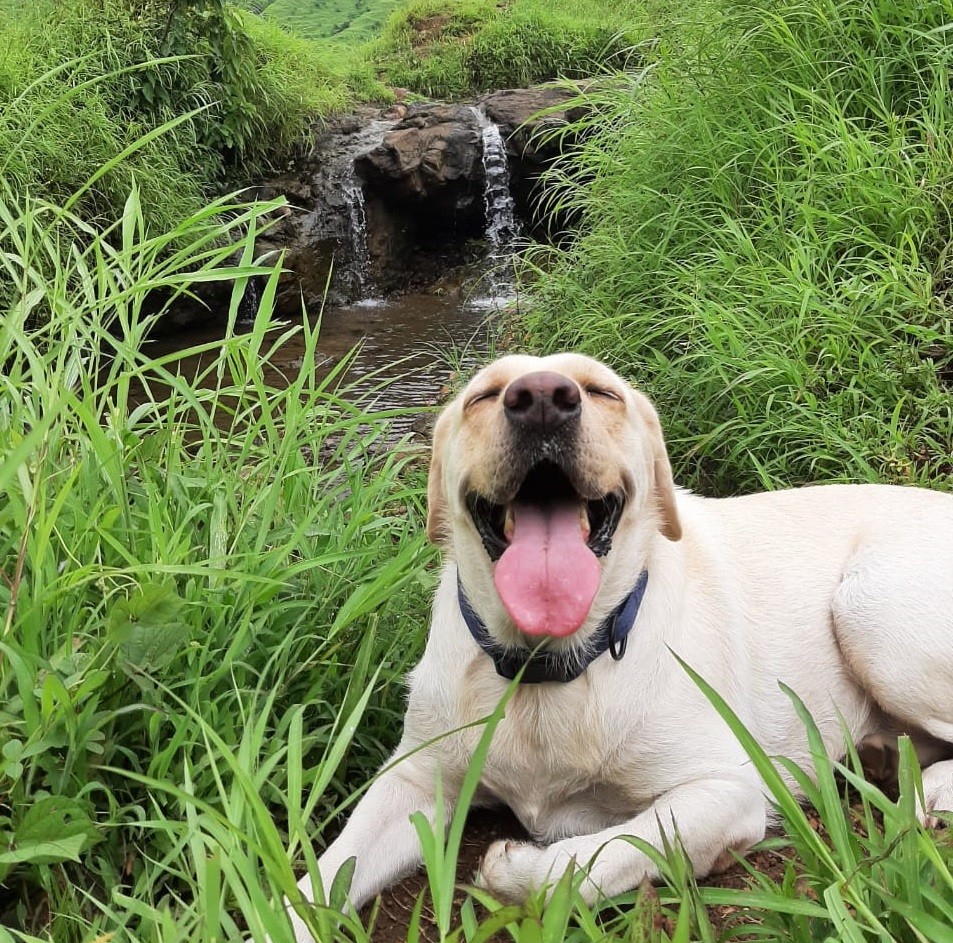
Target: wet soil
392,915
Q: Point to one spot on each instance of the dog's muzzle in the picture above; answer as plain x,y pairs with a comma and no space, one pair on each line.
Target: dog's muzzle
544,527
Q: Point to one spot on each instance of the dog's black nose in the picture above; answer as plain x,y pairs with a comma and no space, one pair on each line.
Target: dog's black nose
542,401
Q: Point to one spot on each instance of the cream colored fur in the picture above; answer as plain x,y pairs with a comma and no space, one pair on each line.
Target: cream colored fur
842,592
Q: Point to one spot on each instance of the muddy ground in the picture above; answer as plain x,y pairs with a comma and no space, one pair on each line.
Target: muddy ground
486,826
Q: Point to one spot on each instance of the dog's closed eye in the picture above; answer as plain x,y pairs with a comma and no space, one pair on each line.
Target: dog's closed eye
482,395
603,392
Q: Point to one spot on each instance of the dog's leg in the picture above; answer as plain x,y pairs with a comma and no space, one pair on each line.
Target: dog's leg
711,818
893,617
937,792
380,836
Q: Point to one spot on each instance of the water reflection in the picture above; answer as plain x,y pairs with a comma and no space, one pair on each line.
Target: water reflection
409,349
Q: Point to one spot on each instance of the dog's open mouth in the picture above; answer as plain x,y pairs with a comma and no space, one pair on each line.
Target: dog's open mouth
546,543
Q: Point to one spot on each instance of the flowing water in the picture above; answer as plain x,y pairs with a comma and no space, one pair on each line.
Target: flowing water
408,350
502,226
359,268
345,176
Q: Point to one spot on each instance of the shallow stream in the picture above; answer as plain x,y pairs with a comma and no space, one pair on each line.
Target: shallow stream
409,347
409,344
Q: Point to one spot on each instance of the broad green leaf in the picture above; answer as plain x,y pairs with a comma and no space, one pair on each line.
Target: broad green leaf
54,828
147,626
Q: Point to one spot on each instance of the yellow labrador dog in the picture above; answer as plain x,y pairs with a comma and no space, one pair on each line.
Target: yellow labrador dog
551,492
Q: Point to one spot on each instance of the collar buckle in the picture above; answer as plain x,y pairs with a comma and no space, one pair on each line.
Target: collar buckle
617,645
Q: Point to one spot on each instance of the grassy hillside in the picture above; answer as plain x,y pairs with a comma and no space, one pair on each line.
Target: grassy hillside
82,81
159,618
448,48
346,21
452,48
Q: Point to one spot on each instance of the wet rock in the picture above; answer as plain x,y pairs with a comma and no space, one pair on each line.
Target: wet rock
322,248
527,118
386,200
430,163
431,158
424,183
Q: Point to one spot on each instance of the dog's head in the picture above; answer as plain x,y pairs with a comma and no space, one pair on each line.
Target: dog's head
548,475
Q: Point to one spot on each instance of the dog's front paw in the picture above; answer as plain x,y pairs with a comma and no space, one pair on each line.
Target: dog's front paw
937,793
513,870
506,869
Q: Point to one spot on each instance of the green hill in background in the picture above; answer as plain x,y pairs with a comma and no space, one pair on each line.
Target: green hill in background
350,20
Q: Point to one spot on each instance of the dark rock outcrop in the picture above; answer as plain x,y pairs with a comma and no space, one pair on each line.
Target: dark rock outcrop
421,178
424,182
430,163
432,157
423,190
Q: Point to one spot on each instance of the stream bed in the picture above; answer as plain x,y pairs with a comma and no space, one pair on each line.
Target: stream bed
408,349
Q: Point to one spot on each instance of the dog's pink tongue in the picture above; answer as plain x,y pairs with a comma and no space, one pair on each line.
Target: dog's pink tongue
547,576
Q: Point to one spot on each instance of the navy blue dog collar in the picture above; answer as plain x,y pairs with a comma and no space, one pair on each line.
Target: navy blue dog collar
562,666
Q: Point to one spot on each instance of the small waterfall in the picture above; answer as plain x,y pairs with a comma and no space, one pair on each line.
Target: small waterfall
339,214
360,256
358,274
502,226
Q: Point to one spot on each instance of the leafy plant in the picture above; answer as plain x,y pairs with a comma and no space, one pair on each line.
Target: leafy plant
210,33
188,564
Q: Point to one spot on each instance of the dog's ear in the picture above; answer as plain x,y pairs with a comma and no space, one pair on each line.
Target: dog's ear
438,525
671,526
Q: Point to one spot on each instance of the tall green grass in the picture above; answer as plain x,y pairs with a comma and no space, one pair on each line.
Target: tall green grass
765,241
82,80
871,872
452,49
199,585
